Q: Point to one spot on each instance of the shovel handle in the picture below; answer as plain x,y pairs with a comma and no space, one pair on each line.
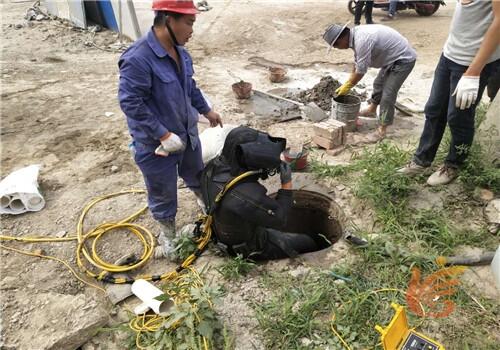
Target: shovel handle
279,98
238,79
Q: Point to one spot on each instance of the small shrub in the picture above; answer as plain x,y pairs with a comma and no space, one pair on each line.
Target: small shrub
236,267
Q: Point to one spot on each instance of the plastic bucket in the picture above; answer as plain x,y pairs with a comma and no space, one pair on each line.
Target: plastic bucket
347,110
297,160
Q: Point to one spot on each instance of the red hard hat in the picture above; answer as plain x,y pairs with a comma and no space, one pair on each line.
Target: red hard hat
185,7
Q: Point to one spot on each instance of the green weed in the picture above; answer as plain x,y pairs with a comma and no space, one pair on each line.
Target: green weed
191,323
325,170
235,268
375,178
184,247
380,183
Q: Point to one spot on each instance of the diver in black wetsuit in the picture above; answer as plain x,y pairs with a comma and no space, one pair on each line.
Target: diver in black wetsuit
246,220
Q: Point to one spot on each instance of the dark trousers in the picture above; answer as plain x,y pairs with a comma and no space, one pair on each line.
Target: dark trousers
274,244
494,85
386,87
440,110
368,11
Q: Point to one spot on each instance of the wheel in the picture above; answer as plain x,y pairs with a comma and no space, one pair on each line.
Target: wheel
427,9
351,6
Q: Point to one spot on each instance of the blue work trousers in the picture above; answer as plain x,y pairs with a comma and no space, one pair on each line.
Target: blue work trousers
160,176
440,110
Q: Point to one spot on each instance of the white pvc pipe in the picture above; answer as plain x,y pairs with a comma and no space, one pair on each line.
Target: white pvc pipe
147,292
16,205
32,201
5,201
21,186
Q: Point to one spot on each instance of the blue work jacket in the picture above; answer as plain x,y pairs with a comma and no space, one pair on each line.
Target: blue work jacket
155,96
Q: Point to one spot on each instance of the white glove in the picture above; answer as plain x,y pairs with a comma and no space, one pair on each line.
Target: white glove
466,92
171,144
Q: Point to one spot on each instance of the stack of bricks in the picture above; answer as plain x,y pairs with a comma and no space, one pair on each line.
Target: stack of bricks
329,134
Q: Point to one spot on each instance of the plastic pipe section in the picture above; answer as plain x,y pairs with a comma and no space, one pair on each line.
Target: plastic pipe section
147,292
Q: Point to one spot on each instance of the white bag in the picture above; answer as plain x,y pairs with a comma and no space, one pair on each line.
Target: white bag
19,191
212,141
201,117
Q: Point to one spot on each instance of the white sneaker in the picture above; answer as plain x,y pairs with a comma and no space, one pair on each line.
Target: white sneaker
411,168
443,176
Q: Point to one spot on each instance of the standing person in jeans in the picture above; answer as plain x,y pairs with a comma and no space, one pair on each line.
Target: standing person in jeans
159,96
375,46
368,5
393,7
470,57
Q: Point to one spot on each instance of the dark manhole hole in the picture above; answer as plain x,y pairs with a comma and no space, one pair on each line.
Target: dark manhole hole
316,215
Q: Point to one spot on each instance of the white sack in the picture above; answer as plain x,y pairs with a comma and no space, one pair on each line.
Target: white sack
212,141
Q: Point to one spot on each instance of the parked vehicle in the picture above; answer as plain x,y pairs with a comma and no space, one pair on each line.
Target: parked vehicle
423,8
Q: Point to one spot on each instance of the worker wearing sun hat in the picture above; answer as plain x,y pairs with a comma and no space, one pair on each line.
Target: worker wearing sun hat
161,101
375,46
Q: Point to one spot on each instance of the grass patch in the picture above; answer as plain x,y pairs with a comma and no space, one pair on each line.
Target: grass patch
380,183
373,172
300,311
377,182
407,238
235,268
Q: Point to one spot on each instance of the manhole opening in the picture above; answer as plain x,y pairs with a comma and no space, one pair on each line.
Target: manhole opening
316,215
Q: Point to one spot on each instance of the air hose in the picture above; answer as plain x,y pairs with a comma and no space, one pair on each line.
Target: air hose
105,269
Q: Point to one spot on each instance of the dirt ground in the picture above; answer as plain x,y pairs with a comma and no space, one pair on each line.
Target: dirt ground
55,94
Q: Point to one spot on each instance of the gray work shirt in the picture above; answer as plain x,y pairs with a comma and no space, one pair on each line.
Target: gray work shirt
469,25
378,46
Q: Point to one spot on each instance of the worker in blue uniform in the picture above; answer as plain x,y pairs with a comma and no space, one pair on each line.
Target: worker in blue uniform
160,99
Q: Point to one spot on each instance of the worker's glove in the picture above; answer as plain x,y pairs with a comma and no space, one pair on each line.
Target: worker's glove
285,173
171,144
466,92
344,89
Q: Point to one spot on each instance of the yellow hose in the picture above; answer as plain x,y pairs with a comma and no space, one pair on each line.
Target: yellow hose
143,323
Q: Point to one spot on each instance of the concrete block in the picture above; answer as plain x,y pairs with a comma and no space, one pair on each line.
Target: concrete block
323,142
329,134
328,128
